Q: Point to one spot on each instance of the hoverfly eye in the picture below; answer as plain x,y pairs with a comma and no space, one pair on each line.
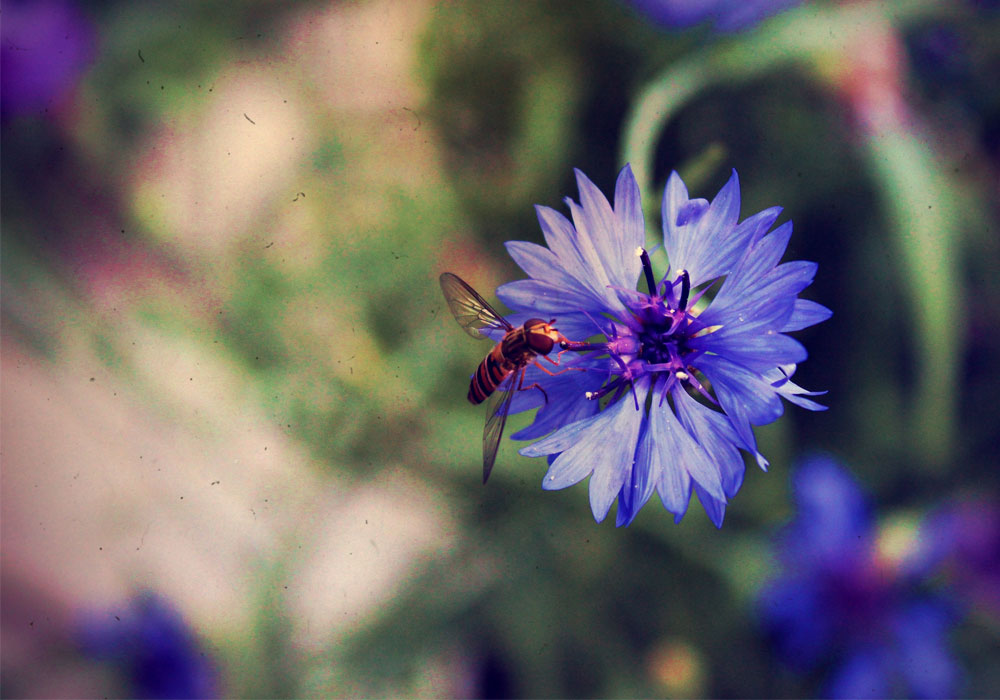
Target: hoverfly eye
541,343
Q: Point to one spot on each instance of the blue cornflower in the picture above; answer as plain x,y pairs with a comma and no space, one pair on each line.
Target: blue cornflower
726,15
849,597
685,378
153,648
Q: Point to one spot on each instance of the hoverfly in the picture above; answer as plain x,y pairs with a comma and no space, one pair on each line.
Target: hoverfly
506,363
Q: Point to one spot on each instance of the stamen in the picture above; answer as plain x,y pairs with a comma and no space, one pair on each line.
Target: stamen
647,270
700,388
626,376
604,390
600,329
635,398
685,290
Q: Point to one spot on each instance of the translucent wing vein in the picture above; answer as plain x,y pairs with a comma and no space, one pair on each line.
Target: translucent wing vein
472,312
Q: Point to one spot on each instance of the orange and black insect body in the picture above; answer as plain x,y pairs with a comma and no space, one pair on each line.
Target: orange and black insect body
517,350
501,373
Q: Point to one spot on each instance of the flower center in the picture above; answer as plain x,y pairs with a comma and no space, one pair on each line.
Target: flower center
652,341
658,346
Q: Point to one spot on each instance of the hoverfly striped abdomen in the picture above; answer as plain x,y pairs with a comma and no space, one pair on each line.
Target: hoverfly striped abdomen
489,374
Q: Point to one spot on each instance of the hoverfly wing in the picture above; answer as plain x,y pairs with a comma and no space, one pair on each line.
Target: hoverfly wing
497,408
472,312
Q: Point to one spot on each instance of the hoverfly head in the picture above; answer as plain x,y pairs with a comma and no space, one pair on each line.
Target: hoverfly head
541,336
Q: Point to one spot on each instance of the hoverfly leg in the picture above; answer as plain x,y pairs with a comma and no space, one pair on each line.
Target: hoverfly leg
536,385
559,357
556,374
550,360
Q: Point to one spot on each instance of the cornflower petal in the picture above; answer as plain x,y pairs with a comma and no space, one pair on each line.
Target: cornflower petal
153,649
567,402
628,209
713,432
543,296
760,223
585,449
745,397
706,245
679,450
711,245
640,485
804,314
763,253
788,279
691,211
780,379
563,240
674,458
562,408
715,509
673,484
738,15
541,263
767,303
598,218
717,437
585,239
675,196
754,351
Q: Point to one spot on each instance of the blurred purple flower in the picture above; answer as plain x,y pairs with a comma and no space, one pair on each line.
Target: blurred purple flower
962,543
45,46
154,649
842,599
726,15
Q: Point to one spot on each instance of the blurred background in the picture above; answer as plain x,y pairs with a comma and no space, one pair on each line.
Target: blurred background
237,455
